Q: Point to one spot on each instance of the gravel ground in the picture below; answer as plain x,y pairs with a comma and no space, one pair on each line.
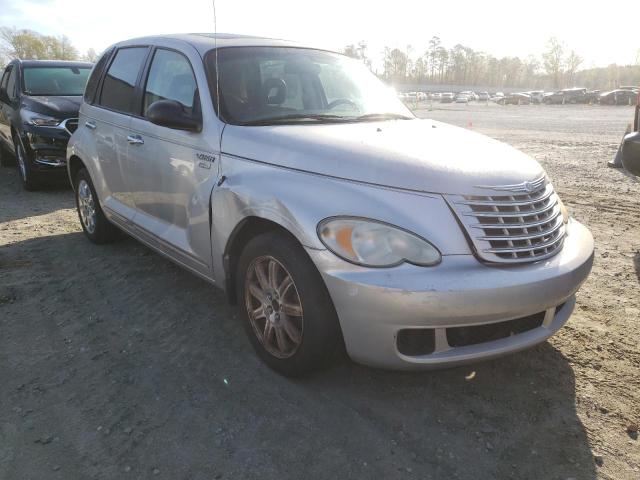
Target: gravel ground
116,364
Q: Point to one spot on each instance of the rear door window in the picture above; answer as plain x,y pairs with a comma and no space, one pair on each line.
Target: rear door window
118,88
94,78
170,78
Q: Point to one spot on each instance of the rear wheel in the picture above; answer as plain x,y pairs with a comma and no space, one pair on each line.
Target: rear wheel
286,308
94,223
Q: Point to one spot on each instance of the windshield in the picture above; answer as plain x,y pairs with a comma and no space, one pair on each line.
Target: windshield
265,85
59,81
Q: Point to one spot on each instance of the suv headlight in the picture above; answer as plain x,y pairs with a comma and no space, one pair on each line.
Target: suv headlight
375,244
38,119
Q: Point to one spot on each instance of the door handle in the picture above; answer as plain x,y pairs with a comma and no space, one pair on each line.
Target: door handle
90,125
135,140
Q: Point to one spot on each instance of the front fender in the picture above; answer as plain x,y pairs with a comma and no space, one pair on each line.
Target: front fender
298,201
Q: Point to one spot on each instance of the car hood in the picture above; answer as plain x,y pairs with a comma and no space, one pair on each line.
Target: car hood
57,107
418,155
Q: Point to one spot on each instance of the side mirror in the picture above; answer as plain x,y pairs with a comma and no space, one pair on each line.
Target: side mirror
631,153
171,114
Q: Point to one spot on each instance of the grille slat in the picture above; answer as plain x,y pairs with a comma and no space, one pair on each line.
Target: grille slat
513,214
555,215
513,227
527,235
511,202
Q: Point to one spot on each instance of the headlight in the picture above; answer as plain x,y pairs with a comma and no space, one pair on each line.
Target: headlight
375,244
563,210
38,119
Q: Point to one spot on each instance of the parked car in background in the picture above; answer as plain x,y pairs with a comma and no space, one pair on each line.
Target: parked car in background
471,96
535,96
39,102
514,99
568,95
446,97
619,97
592,96
333,217
629,151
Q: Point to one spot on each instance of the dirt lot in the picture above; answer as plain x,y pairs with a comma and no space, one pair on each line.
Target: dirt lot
116,364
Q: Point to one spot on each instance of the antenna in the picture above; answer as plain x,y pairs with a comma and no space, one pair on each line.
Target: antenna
215,46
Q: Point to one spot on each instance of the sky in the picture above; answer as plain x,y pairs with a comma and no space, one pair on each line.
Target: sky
501,28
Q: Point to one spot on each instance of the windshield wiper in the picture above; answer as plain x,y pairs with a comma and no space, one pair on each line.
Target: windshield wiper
383,116
298,116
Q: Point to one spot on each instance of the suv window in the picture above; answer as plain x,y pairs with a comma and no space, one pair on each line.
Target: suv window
119,84
94,78
11,84
170,78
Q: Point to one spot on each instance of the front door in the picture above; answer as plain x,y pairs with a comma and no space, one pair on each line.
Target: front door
173,171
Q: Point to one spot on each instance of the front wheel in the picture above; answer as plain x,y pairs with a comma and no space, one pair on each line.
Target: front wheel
286,308
28,177
94,223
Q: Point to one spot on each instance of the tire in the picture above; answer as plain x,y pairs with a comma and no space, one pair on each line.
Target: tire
94,223
310,331
29,180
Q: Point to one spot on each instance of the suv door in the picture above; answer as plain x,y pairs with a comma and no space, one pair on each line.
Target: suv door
108,120
6,110
173,171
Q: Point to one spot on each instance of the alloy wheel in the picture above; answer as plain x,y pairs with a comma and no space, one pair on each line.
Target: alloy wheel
86,206
274,307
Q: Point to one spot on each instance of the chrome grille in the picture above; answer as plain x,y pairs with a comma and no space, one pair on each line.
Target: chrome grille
513,228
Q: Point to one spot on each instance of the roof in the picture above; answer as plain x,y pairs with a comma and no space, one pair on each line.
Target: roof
54,63
204,42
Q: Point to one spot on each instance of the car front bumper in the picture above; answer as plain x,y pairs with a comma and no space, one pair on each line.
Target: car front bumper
46,149
374,305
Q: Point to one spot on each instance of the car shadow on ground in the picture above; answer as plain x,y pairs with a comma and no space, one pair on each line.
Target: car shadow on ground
54,195
114,360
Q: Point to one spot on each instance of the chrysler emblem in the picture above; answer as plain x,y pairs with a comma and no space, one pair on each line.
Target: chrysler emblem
527,186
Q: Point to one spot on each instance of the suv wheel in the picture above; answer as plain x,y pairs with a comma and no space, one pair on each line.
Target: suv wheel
94,223
286,308
29,182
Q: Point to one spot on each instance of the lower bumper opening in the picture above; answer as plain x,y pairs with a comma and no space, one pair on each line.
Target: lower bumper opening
421,341
464,336
416,341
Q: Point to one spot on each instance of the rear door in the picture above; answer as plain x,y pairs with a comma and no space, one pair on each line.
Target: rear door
108,120
173,171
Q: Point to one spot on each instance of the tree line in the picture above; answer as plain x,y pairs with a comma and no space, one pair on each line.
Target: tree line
558,67
29,45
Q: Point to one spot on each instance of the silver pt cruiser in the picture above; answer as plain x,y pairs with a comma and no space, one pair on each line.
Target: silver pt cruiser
296,181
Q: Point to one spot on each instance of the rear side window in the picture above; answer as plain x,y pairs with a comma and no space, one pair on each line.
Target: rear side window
119,84
11,84
170,78
94,78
